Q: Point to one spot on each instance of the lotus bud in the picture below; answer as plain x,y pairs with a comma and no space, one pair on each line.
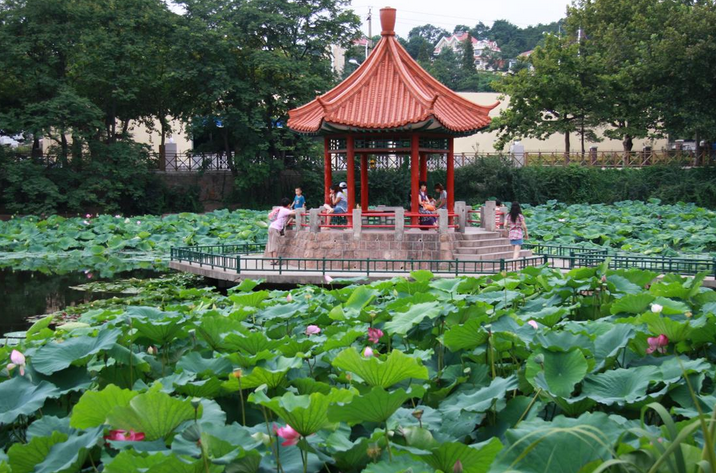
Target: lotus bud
656,308
349,377
373,451
688,315
368,352
533,324
151,350
395,293
238,373
539,359
263,438
289,297
457,468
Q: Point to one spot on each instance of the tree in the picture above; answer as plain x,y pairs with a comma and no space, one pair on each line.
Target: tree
430,33
558,96
253,62
446,68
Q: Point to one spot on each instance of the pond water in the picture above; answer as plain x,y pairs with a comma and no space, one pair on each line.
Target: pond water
25,294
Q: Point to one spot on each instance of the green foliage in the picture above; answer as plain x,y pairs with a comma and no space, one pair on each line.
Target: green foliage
505,397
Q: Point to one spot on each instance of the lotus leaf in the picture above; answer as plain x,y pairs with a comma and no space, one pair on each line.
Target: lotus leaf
621,386
376,406
56,356
559,372
153,413
19,396
94,406
474,458
374,372
402,322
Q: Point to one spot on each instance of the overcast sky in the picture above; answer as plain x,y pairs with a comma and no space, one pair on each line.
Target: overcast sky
448,13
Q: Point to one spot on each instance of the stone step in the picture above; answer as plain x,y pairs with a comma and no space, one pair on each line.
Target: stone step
481,250
476,243
477,236
492,256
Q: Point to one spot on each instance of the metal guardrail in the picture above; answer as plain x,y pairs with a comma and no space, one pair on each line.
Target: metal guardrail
242,259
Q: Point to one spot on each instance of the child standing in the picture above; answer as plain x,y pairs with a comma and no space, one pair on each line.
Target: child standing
517,229
299,201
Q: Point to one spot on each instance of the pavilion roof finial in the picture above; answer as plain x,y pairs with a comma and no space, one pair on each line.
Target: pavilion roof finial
387,21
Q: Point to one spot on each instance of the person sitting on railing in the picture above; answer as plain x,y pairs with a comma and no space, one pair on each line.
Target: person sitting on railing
427,206
441,202
339,204
276,227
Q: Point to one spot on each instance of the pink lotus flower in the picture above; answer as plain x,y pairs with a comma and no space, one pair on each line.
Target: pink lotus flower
368,352
457,467
18,361
328,279
125,436
89,275
658,344
287,433
313,330
374,334
533,324
117,216
139,222
289,298
88,216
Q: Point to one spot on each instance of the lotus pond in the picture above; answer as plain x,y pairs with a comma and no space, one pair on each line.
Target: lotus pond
536,371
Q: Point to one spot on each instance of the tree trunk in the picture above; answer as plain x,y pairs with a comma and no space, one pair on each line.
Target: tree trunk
36,149
628,144
227,150
566,144
65,149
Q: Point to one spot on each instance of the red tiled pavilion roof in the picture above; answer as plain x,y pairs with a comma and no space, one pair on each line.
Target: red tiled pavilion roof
390,91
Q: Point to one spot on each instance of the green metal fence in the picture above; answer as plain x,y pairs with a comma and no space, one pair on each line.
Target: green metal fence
243,259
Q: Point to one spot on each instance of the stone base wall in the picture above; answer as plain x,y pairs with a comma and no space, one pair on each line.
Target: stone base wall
377,246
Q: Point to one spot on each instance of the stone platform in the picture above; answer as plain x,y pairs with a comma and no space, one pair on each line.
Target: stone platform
475,244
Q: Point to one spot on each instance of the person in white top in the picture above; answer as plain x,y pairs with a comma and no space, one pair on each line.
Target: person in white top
274,232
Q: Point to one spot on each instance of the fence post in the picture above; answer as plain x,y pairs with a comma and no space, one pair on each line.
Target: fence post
502,265
300,218
238,263
399,223
489,224
442,221
571,259
461,212
367,266
357,223
315,220
280,264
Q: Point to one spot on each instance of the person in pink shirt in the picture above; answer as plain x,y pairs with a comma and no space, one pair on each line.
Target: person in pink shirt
274,233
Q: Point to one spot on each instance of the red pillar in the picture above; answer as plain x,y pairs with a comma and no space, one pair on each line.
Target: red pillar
451,176
326,169
424,167
364,182
351,178
414,175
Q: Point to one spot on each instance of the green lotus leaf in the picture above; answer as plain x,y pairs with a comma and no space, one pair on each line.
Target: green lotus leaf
376,406
482,399
623,285
18,396
422,275
57,356
658,324
38,327
70,455
632,303
375,372
214,328
271,373
621,386
607,346
94,406
341,340
130,461
281,311
402,322
359,299
307,414
153,413
251,343
671,307
194,363
207,388
159,330
251,299
559,372
564,445
473,458
401,464
24,457
466,336
46,425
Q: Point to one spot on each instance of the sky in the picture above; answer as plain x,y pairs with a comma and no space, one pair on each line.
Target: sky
448,13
